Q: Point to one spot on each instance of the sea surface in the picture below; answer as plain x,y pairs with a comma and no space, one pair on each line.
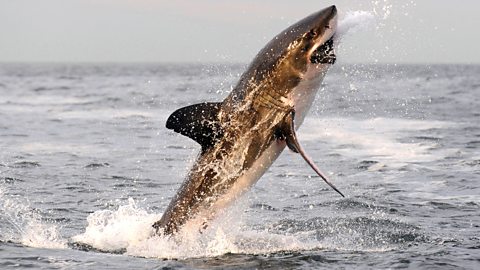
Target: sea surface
86,166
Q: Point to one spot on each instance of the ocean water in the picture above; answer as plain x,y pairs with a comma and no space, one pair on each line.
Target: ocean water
86,166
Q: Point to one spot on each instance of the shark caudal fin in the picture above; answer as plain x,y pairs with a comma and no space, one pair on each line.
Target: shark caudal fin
287,133
198,122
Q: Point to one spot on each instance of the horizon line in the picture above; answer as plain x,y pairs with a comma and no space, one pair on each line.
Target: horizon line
34,62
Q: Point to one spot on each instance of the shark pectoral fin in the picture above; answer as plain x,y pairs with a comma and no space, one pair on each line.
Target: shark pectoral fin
292,143
198,122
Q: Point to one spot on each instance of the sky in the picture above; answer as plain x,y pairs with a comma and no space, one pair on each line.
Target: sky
423,31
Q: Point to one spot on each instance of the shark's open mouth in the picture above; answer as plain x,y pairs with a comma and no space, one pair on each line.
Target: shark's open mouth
324,54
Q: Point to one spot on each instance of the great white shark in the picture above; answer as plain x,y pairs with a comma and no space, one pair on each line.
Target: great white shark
242,136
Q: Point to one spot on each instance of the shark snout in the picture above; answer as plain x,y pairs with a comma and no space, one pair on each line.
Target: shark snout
332,18
333,10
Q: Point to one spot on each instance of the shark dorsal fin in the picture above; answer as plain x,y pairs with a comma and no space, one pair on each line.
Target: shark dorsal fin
198,122
287,132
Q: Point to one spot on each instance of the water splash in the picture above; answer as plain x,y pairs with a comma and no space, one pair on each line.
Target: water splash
354,21
128,230
117,230
125,231
26,224
382,9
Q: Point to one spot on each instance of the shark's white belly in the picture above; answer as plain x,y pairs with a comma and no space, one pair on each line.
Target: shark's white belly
304,94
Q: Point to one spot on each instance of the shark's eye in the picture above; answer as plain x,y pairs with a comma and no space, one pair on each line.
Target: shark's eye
324,54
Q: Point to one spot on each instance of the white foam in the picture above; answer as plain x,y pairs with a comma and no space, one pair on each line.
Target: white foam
42,235
27,225
130,228
115,230
377,138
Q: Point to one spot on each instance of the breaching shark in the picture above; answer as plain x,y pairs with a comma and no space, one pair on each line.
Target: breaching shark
242,136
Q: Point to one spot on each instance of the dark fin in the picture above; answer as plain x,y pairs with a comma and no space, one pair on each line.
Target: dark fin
288,131
198,122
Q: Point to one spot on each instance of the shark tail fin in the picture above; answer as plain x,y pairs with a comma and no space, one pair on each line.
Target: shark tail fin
198,122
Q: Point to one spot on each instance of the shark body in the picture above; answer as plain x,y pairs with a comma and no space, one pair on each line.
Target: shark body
244,134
